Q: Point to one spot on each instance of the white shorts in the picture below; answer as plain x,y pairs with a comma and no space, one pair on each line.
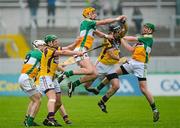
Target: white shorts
27,85
57,86
137,68
46,83
105,69
85,56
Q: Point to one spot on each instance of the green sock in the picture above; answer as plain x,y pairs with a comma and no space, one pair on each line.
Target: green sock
30,120
76,83
69,73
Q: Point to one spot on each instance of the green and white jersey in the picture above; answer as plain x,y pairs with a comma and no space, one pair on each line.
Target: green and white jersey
32,63
86,33
143,48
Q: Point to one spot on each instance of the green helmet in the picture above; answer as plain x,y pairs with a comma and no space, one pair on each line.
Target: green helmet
49,38
150,25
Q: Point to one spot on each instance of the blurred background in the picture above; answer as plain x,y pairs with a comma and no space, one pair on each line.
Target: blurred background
22,21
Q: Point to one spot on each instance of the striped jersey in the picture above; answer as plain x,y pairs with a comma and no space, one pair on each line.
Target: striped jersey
87,28
49,62
104,57
143,48
32,63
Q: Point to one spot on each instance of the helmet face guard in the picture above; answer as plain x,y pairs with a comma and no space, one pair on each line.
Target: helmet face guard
120,29
117,29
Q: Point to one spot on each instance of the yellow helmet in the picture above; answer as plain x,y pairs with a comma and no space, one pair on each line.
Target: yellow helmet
87,10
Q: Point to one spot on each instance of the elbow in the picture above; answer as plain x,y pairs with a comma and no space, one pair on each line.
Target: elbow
131,50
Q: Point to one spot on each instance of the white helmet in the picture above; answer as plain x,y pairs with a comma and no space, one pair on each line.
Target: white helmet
36,43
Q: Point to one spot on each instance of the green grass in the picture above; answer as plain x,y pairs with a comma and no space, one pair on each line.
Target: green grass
123,112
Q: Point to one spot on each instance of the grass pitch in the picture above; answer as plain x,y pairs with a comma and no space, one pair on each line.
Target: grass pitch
123,112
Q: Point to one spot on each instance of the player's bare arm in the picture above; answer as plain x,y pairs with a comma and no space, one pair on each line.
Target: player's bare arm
68,53
127,46
103,35
131,38
110,20
73,45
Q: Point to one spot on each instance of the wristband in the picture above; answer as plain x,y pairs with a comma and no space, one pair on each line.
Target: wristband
105,35
117,19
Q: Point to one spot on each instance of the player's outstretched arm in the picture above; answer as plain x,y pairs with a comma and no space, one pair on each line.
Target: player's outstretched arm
73,45
132,39
103,35
110,20
68,53
127,46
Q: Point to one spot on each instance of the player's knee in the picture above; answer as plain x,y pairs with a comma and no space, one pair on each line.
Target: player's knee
36,98
116,87
37,101
143,89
